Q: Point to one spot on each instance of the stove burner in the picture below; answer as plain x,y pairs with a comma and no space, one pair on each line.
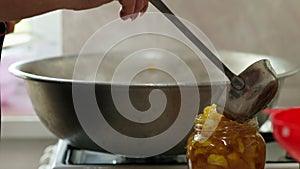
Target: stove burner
85,157
64,156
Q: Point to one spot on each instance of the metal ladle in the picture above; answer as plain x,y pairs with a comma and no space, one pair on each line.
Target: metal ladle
250,91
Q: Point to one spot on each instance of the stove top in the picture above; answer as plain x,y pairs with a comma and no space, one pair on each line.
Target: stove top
64,156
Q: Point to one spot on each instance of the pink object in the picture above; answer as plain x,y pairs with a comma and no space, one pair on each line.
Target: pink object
286,130
8,82
14,98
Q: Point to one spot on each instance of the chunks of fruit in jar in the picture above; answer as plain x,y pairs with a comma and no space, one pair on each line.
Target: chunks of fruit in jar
230,146
219,160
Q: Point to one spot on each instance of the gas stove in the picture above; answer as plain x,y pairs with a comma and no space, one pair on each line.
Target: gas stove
64,156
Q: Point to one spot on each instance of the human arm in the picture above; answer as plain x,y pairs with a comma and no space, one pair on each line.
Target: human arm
19,9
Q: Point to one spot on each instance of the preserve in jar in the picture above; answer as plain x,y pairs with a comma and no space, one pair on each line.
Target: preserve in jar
220,143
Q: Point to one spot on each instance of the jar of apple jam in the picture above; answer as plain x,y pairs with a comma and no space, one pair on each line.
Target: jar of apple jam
220,143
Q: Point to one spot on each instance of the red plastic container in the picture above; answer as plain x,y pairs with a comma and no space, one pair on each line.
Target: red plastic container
286,130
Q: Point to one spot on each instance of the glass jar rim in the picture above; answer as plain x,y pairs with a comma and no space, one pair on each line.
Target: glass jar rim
224,124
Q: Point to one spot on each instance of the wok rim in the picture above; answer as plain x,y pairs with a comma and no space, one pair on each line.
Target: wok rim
15,69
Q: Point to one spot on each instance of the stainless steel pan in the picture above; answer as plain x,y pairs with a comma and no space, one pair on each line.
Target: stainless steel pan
49,84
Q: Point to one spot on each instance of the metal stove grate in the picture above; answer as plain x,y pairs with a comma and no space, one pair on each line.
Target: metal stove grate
64,156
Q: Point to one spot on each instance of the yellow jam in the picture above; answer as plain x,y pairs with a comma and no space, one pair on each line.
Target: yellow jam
220,143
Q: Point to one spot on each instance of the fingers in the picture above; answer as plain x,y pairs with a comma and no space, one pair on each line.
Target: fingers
145,7
139,5
132,8
128,8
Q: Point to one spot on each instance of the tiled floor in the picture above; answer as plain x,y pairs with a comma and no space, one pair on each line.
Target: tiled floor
22,154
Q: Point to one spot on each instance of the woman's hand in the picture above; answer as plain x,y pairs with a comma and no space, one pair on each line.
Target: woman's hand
132,8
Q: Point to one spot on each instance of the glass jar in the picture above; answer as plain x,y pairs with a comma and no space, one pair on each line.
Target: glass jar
220,143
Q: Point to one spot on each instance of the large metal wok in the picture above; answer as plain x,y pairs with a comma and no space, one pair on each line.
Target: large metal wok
49,84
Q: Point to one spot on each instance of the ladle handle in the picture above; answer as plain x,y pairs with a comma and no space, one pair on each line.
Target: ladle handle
162,7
